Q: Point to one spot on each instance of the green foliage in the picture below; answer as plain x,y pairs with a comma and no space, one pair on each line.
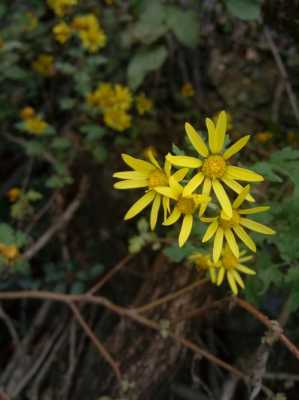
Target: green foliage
138,242
247,10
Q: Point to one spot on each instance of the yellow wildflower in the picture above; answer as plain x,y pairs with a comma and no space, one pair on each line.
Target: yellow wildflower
62,32
231,266
263,137
31,21
111,98
214,169
90,32
27,113
187,90
10,252
143,104
229,120
225,228
117,119
149,175
13,194
203,262
35,125
44,64
122,97
186,206
61,7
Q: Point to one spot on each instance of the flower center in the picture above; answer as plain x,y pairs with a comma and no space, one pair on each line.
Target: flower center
230,223
229,261
201,261
186,205
157,178
214,166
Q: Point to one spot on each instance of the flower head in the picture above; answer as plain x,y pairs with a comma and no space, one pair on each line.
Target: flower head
147,175
187,90
35,125
62,32
117,119
227,228
44,65
213,166
203,262
9,251
61,7
143,104
13,194
27,113
90,32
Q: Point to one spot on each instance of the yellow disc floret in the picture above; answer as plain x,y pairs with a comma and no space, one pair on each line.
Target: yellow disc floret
231,222
214,166
186,205
157,178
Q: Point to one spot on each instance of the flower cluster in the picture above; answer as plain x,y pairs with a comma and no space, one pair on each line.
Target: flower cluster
44,65
61,7
33,123
143,104
90,32
207,179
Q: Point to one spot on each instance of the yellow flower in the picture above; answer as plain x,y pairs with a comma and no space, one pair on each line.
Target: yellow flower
44,65
31,21
203,262
35,125
122,97
10,252
13,194
263,137
27,113
215,170
147,175
117,119
61,7
187,90
186,206
102,97
90,32
231,266
62,32
143,104
229,120
149,151
225,228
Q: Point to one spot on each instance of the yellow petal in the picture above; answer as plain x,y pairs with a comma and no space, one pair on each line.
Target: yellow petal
137,164
166,208
218,242
238,278
246,239
130,184
167,168
130,175
180,174
175,185
185,229
167,191
222,197
193,184
212,274
256,226
154,211
173,217
236,187
196,140
241,197
230,238
220,276
208,219
236,147
245,269
220,131
206,189
242,174
210,232
184,161
152,159
212,135
254,210
140,204
232,283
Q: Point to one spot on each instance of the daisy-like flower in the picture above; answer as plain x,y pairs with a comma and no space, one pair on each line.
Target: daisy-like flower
186,206
230,266
150,175
214,169
203,263
225,228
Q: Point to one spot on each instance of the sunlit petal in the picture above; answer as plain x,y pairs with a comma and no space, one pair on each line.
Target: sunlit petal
131,184
154,211
232,282
185,229
222,197
253,210
184,161
138,165
212,135
242,174
220,131
193,184
246,239
236,147
241,197
173,217
140,204
236,187
210,232
218,243
230,238
134,175
196,140
256,226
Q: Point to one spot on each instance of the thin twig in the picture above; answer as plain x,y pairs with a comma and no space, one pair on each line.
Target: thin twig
13,333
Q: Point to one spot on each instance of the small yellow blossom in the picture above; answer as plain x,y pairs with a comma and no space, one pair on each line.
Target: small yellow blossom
90,32
215,169
27,113
263,137
187,90
35,125
203,262
31,21
149,176
229,119
225,228
143,104
107,97
122,97
230,266
62,32
44,65
61,7
13,194
10,252
117,119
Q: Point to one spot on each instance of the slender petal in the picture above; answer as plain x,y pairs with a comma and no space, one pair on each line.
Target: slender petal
220,131
241,197
212,274
185,229
238,278
138,165
184,161
212,135
220,276
253,210
196,140
193,184
173,217
167,168
180,174
230,238
207,184
256,226
245,269
167,191
236,187
140,204
154,211
246,239
236,147
153,159
222,197
208,219
130,184
210,232
218,242
232,282
166,208
175,185
130,175
243,174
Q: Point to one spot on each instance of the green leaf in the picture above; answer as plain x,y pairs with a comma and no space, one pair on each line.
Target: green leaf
34,148
93,131
33,195
67,103
7,235
143,62
247,10
176,253
61,143
184,25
